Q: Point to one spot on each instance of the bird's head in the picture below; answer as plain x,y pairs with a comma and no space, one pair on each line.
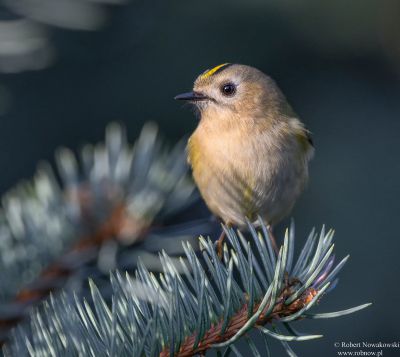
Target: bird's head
235,90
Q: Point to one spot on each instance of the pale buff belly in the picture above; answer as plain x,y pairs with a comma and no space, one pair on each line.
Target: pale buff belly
240,182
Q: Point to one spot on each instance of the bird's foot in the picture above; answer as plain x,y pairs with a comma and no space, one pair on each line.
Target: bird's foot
273,240
220,245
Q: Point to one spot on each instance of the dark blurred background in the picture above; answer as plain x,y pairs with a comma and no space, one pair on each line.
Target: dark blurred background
67,72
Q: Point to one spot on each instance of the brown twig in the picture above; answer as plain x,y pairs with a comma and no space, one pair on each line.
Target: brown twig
213,335
118,223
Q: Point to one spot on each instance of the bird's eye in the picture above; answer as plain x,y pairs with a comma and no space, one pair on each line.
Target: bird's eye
228,89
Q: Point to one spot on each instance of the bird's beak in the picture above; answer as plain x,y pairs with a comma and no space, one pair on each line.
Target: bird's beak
191,96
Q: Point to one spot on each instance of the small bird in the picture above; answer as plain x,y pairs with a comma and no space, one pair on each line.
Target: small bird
249,153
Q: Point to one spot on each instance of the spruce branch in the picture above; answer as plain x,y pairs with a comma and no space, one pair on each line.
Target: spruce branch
200,304
113,192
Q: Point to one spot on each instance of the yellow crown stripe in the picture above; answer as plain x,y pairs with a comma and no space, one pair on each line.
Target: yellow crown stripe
210,72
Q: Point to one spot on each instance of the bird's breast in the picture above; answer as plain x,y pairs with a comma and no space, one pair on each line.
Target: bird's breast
245,175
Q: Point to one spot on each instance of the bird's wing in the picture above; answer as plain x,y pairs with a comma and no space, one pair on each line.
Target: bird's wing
303,135
309,136
307,143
